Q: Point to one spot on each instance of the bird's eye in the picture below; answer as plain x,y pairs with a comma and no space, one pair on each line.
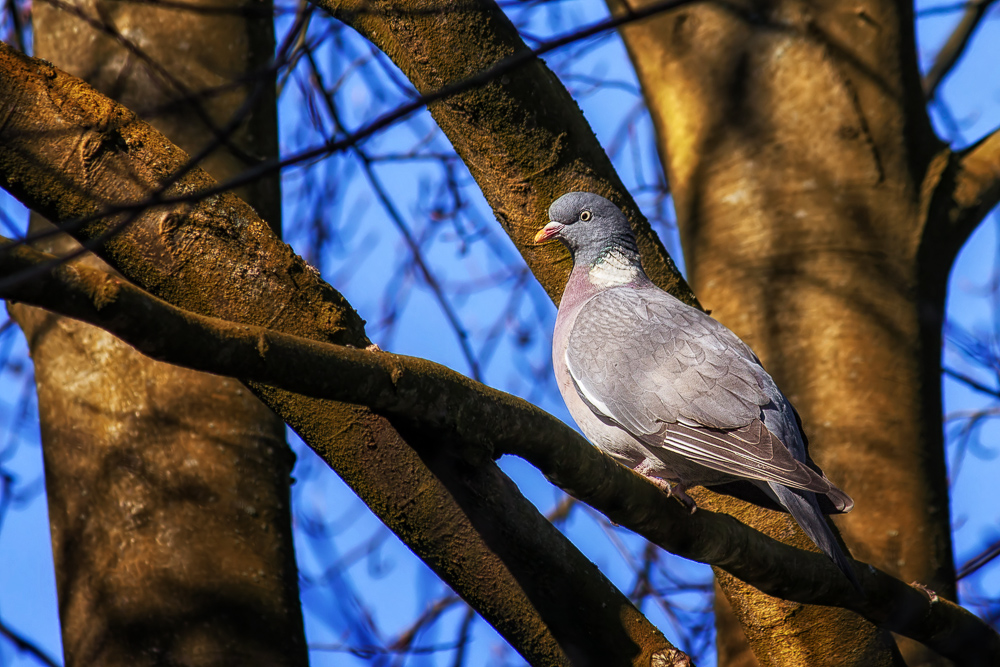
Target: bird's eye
585,216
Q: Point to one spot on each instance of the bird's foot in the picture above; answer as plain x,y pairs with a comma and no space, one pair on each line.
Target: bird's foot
672,490
686,500
925,590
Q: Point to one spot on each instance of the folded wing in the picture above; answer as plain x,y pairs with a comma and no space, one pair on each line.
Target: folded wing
677,379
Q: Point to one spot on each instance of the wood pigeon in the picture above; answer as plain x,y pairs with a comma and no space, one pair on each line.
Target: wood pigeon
669,391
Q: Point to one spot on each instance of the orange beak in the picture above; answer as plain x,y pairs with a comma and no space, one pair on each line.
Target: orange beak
548,232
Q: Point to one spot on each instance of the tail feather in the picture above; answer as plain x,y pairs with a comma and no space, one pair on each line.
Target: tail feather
804,508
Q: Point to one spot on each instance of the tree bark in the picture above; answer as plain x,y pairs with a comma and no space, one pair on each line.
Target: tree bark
168,489
796,143
211,254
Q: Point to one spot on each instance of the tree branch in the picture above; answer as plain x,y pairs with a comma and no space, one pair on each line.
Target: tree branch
954,47
27,646
479,422
977,186
959,190
980,560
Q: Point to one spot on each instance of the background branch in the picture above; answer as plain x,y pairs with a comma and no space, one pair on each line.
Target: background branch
955,46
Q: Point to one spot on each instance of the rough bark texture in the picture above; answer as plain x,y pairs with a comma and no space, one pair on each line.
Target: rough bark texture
168,490
732,649
465,519
796,144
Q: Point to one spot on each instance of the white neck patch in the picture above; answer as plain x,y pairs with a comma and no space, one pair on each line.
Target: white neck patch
613,268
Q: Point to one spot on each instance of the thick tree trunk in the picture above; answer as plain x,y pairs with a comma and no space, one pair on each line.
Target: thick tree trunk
168,490
796,144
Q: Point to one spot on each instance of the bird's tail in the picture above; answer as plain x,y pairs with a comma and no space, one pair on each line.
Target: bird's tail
804,508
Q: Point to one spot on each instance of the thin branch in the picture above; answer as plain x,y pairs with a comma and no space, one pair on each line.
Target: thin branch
943,9
27,646
955,46
397,218
480,422
979,561
17,26
965,379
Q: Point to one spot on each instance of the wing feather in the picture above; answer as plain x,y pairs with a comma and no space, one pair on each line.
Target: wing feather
647,361
678,380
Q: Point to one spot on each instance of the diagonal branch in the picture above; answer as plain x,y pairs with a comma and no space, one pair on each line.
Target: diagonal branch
22,644
977,185
955,46
959,191
478,422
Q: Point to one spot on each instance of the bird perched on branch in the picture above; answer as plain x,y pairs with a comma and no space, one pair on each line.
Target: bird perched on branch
669,391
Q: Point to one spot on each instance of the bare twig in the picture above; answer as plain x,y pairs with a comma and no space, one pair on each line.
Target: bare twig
970,382
27,646
979,561
955,46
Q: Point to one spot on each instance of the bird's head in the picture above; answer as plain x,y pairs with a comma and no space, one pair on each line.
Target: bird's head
587,224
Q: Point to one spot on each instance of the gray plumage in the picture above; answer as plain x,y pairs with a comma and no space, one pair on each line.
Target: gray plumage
666,389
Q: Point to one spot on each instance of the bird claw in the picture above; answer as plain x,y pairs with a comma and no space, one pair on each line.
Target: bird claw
925,590
675,491
685,499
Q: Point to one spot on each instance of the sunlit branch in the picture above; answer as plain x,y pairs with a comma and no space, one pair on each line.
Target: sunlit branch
960,189
155,195
521,154
478,421
977,185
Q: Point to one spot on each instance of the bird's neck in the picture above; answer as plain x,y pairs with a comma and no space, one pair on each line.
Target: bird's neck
616,263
